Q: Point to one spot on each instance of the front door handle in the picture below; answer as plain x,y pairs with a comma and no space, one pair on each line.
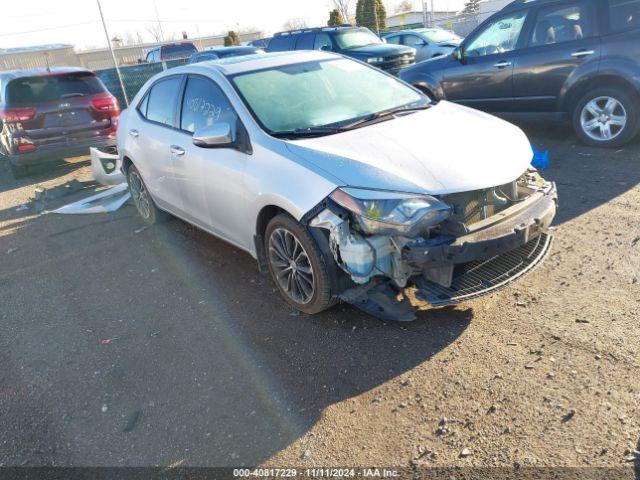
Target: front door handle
134,133
502,64
582,53
177,151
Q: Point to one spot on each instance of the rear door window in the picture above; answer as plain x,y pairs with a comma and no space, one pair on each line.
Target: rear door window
281,43
560,24
33,90
624,15
161,105
305,41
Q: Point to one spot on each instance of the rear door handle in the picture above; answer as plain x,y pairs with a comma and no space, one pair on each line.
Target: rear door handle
134,133
177,151
582,53
502,64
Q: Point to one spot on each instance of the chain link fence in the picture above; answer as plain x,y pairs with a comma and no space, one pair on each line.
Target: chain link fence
133,77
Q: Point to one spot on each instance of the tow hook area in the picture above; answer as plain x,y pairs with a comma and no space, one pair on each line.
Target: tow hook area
374,264
381,299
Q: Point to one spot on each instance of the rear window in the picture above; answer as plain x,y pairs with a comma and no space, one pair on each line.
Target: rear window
170,52
624,14
33,90
282,43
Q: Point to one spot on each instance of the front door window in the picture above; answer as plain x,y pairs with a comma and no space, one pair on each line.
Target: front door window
499,36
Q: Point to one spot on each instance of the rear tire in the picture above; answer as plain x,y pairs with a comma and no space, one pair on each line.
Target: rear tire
297,266
606,117
18,171
142,200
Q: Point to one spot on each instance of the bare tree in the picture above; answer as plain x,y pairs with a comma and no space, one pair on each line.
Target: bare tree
295,24
404,6
155,30
344,7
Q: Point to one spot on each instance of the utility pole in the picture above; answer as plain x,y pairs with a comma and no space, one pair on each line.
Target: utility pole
433,15
113,55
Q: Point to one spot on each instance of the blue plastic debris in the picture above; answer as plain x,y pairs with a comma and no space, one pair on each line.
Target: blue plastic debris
540,159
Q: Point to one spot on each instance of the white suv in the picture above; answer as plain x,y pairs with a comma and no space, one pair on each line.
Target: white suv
342,181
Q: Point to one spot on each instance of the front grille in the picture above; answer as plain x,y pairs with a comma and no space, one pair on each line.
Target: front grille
401,60
475,279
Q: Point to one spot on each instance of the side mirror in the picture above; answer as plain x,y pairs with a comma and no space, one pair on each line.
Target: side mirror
384,40
219,135
325,48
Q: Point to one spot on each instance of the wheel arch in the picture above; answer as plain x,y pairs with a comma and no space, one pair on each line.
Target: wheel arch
577,91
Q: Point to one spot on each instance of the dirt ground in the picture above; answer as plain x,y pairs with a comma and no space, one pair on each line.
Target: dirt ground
128,346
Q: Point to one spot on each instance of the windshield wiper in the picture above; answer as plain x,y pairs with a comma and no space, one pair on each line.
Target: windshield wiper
310,132
384,114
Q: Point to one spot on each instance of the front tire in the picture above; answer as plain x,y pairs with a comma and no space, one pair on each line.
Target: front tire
297,266
606,117
142,200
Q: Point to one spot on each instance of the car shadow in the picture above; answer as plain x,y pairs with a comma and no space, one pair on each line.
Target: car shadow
166,344
39,173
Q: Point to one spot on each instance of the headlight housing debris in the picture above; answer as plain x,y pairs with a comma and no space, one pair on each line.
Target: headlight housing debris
391,213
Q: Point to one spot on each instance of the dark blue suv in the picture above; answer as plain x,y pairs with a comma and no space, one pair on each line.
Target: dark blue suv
355,42
577,60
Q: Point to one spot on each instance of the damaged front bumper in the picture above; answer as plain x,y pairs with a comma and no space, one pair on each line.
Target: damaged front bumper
454,263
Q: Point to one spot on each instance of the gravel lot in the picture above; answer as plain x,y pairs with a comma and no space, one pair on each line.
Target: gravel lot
128,346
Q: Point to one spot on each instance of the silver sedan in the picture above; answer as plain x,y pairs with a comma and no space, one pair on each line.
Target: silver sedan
428,42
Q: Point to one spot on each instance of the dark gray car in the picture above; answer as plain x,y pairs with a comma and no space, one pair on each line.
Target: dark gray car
576,60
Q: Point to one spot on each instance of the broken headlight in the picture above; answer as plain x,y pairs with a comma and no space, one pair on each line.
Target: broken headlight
392,213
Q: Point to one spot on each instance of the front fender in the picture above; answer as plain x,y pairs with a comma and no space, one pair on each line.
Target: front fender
424,81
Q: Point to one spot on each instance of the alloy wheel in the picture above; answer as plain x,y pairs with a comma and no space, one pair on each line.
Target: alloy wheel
291,265
139,194
603,119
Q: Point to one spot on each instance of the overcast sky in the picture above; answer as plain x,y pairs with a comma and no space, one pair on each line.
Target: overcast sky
76,22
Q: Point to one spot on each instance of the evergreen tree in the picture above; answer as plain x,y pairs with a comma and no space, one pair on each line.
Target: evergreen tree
471,6
335,18
231,39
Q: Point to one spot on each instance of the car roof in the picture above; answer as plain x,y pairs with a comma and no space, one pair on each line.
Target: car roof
300,31
520,4
9,75
248,63
235,48
416,30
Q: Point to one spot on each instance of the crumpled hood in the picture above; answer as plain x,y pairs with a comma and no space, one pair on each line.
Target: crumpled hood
445,149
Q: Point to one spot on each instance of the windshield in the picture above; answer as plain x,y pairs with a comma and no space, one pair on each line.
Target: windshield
356,38
437,35
322,93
